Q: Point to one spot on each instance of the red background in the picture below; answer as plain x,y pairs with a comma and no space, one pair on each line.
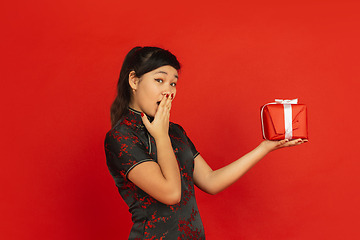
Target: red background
60,63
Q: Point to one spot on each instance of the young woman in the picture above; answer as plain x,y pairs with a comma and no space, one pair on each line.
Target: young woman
153,162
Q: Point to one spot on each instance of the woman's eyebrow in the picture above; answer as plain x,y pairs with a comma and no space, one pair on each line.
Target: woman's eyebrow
163,72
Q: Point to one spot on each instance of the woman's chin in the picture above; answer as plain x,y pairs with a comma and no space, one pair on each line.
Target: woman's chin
150,114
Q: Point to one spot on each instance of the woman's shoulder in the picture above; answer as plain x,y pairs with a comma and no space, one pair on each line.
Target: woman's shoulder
176,127
123,129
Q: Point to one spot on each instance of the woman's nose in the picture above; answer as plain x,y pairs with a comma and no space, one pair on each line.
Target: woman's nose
168,90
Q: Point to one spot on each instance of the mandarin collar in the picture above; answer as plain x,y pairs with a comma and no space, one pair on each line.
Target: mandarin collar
134,118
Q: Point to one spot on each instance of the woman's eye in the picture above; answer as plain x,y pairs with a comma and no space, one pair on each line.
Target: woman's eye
173,84
159,80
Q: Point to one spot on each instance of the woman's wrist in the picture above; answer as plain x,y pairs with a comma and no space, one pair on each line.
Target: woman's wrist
267,146
162,139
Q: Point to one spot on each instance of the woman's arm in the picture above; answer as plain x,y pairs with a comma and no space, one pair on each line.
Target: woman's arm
160,180
214,182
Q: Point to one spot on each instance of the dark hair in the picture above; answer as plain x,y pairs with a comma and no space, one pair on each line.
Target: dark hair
141,60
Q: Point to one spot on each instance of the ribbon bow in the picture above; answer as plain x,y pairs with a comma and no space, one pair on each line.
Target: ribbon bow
287,101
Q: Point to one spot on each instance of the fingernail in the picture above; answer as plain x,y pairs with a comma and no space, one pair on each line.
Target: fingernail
142,114
167,95
172,96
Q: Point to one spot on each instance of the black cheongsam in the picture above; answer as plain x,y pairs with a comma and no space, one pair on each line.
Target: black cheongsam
129,144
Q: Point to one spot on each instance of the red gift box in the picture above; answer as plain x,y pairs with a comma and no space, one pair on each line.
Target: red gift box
284,119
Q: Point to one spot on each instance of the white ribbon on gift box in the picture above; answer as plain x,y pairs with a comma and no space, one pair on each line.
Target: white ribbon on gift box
287,116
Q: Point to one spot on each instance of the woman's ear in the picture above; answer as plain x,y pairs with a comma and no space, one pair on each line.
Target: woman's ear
133,80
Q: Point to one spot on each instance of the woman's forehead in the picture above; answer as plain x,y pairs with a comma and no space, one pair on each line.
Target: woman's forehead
166,70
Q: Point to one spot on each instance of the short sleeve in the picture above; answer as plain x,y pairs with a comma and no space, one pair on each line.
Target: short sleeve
124,151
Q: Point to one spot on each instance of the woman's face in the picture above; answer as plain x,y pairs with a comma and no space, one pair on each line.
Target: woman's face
151,87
